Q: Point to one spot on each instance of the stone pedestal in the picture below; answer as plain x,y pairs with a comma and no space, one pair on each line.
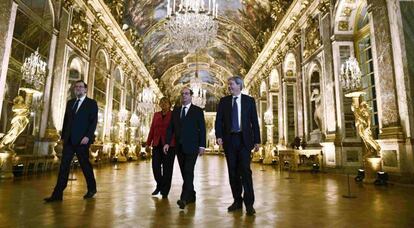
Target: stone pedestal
315,137
371,167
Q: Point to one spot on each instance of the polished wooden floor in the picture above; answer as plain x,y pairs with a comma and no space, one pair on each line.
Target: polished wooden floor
124,200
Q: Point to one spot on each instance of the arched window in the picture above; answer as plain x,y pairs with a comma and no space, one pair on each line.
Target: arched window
274,79
74,74
116,99
101,72
363,51
129,94
290,116
263,89
32,30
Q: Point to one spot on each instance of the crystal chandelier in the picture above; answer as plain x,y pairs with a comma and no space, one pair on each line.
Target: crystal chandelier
199,94
351,75
34,70
123,116
192,27
146,100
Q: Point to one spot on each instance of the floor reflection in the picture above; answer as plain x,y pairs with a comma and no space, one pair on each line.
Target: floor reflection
283,199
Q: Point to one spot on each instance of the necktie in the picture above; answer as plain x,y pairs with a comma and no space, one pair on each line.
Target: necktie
183,112
75,106
235,117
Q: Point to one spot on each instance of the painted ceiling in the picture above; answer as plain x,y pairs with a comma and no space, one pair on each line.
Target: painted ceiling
244,26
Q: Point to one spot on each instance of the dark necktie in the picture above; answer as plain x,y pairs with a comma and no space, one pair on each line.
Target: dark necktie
75,106
235,117
183,112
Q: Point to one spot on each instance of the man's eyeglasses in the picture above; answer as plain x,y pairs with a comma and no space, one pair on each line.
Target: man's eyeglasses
185,93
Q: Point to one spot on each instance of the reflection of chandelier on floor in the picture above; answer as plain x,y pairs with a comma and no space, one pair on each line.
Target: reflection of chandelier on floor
192,27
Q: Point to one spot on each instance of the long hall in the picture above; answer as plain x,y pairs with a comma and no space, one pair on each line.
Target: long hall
298,199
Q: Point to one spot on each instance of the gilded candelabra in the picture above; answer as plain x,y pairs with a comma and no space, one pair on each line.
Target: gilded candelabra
351,84
18,124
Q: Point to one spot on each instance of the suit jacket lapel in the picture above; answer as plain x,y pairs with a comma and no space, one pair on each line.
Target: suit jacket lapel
228,106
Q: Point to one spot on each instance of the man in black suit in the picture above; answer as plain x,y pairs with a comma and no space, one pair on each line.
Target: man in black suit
78,133
237,129
188,126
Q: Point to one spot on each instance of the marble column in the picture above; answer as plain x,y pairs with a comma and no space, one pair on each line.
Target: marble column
269,147
327,79
281,109
48,85
8,11
57,100
300,132
390,127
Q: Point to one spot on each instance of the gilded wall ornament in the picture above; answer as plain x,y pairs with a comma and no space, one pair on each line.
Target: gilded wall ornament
324,6
343,26
67,3
312,34
79,32
117,9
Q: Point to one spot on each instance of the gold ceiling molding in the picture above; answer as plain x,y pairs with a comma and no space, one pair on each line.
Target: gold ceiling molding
286,32
107,31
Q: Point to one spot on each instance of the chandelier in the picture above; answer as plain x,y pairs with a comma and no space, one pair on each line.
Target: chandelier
192,27
34,70
146,101
199,94
351,75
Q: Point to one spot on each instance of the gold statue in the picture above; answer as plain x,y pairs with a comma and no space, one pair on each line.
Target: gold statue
18,124
362,113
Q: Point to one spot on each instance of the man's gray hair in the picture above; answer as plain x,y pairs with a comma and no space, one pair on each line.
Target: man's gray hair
238,80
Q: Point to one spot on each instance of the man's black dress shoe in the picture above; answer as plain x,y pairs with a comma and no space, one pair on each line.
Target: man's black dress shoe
155,192
53,199
235,206
181,204
89,194
250,210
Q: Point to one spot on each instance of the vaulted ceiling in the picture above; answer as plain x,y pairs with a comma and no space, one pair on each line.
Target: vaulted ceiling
244,27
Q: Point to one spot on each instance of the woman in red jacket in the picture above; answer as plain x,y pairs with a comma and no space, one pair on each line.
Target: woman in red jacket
156,139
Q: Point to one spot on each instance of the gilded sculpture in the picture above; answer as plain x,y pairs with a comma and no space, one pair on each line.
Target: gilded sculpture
362,113
79,32
312,40
117,9
18,124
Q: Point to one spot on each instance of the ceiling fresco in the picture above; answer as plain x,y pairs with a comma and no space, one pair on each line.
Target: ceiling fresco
244,27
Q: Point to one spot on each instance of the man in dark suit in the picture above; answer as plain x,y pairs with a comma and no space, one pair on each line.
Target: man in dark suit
188,126
78,133
237,129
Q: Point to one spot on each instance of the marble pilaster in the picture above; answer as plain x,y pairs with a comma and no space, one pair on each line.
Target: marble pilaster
390,126
327,79
57,100
8,10
300,132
